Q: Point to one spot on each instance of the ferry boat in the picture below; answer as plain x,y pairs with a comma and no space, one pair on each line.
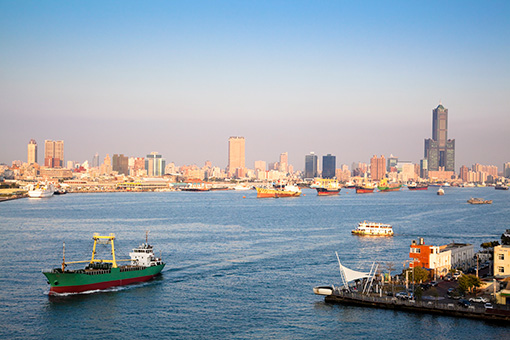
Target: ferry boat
103,274
41,190
326,187
385,186
373,229
418,186
286,191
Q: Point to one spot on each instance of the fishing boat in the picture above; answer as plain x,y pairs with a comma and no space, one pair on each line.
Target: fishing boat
384,185
373,229
103,274
285,191
417,186
326,187
41,190
479,201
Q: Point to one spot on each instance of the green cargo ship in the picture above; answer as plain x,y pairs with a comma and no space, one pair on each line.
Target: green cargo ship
102,274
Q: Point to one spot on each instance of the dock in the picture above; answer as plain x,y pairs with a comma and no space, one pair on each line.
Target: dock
475,311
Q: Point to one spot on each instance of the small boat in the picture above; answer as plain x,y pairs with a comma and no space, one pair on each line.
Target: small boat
440,192
323,290
417,186
501,186
286,191
479,201
41,190
385,186
350,185
373,229
197,186
103,274
365,189
242,187
326,187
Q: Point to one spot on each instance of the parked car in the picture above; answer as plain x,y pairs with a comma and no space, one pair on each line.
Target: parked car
488,306
433,283
478,299
457,274
464,303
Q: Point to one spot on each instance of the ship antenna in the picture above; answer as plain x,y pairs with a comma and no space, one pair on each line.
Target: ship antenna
63,256
147,237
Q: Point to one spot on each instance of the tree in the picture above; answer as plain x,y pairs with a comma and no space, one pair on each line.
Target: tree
420,274
491,244
505,238
468,282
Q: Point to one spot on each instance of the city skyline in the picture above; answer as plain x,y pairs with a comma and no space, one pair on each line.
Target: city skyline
181,78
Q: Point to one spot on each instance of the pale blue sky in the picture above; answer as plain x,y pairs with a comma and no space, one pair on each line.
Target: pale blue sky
348,78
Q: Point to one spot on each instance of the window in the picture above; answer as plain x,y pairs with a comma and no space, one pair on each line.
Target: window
415,250
501,270
501,256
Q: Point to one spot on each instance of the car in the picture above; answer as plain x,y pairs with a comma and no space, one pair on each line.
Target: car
488,306
433,283
478,299
456,275
464,303
448,277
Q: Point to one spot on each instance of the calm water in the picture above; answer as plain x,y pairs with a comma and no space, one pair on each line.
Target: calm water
236,268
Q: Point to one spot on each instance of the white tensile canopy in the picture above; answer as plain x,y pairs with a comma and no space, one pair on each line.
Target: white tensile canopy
349,275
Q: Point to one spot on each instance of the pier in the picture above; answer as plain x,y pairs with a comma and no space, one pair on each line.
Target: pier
475,311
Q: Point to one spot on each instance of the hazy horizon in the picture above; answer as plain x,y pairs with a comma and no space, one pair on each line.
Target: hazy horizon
347,78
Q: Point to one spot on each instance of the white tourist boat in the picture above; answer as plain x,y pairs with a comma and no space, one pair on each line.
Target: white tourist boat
41,190
373,229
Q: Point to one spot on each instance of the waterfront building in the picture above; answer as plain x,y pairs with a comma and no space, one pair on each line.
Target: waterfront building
54,153
328,166
502,261
506,170
155,165
377,167
236,154
32,152
311,166
441,258
120,164
439,150
260,165
463,173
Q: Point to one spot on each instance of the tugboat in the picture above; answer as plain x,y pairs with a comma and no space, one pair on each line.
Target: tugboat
385,186
365,188
103,274
326,187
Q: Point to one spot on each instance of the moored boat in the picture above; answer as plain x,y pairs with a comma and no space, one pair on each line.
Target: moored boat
373,229
286,191
365,189
41,190
501,186
418,186
326,187
103,274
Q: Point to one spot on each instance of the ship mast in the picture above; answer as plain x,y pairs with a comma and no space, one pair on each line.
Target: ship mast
63,256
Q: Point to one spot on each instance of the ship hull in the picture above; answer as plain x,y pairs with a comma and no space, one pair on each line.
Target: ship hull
387,189
327,192
77,282
40,193
267,193
418,188
364,190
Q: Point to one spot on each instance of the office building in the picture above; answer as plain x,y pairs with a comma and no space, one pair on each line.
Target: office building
260,165
439,150
32,152
54,153
120,163
392,163
311,166
236,154
155,165
328,166
284,162
377,167
95,161
506,170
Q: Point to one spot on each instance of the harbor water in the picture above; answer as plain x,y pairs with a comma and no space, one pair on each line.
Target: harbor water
237,268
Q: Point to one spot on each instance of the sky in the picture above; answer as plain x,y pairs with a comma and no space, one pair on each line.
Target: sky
349,78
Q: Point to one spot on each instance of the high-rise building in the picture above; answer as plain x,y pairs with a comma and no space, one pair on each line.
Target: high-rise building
120,164
260,165
32,152
464,173
155,165
506,170
377,167
439,150
392,163
95,161
328,166
284,162
54,153
235,154
311,165
106,167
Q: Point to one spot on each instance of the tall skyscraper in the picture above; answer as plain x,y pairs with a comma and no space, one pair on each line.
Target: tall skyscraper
377,167
155,164
95,161
236,154
284,162
392,163
32,152
120,164
328,166
311,165
54,153
506,170
440,151
260,165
